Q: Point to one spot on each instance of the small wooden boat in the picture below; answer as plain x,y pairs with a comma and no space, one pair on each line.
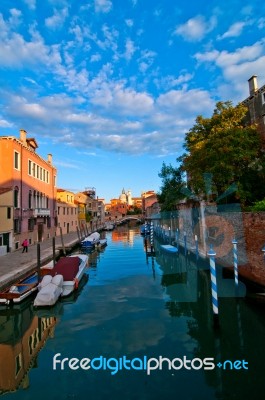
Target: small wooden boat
19,290
169,248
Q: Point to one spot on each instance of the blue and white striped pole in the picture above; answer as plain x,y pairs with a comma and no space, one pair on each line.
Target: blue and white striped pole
152,234
212,254
234,242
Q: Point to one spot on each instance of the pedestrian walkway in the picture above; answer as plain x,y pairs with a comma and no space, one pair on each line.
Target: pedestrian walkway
16,265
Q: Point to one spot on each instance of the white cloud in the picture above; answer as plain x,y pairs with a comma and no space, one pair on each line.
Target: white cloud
57,19
129,49
261,23
103,6
240,55
31,4
146,60
95,57
66,164
5,124
187,102
195,29
236,67
168,82
235,30
15,17
129,22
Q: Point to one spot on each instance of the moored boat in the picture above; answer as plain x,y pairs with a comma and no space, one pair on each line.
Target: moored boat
169,248
145,229
91,240
62,279
109,226
19,290
102,243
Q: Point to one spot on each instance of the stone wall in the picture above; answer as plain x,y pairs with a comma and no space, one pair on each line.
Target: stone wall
254,232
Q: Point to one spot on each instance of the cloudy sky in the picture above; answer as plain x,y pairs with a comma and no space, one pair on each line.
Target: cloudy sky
110,87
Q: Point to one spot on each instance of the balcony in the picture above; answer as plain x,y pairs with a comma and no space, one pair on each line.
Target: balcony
41,212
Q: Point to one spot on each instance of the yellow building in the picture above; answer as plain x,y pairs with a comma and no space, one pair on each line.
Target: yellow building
81,202
67,211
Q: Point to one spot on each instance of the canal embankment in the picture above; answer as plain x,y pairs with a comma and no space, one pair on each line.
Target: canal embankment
16,265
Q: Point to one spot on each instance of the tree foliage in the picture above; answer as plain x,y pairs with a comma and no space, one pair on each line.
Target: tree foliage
231,152
172,183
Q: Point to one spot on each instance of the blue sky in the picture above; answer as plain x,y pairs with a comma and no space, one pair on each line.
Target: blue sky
110,87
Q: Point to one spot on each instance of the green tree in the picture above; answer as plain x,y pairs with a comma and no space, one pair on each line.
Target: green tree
224,147
170,191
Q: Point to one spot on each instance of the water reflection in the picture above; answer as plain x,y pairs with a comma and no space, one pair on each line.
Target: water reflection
137,305
22,336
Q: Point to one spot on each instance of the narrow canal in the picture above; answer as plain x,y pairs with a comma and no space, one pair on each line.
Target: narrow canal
131,311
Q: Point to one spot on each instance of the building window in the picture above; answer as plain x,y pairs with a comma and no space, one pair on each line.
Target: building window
47,176
31,224
263,97
47,202
38,171
16,225
30,199
16,197
44,175
29,167
16,160
8,213
34,169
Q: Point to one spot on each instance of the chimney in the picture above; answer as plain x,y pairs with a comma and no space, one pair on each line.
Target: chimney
50,158
23,136
253,85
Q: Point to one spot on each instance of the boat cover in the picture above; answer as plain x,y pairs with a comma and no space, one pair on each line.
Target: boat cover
68,267
50,290
94,237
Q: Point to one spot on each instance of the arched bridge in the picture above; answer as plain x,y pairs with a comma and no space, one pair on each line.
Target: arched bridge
137,217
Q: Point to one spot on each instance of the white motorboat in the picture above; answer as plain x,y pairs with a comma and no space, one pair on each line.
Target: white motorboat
61,280
91,240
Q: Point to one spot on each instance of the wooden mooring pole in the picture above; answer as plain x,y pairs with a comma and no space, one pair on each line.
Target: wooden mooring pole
53,250
61,233
78,234
38,261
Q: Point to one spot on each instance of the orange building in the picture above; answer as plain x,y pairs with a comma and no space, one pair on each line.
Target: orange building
148,199
33,183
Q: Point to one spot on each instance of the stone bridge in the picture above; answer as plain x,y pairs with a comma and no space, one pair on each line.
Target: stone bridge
136,217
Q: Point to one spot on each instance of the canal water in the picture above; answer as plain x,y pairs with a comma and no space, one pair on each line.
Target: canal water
145,322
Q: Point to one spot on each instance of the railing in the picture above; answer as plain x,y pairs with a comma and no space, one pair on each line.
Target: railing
42,212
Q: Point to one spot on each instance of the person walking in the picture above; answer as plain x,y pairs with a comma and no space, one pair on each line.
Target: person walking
25,245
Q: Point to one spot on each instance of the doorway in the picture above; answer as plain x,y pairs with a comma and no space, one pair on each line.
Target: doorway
40,232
